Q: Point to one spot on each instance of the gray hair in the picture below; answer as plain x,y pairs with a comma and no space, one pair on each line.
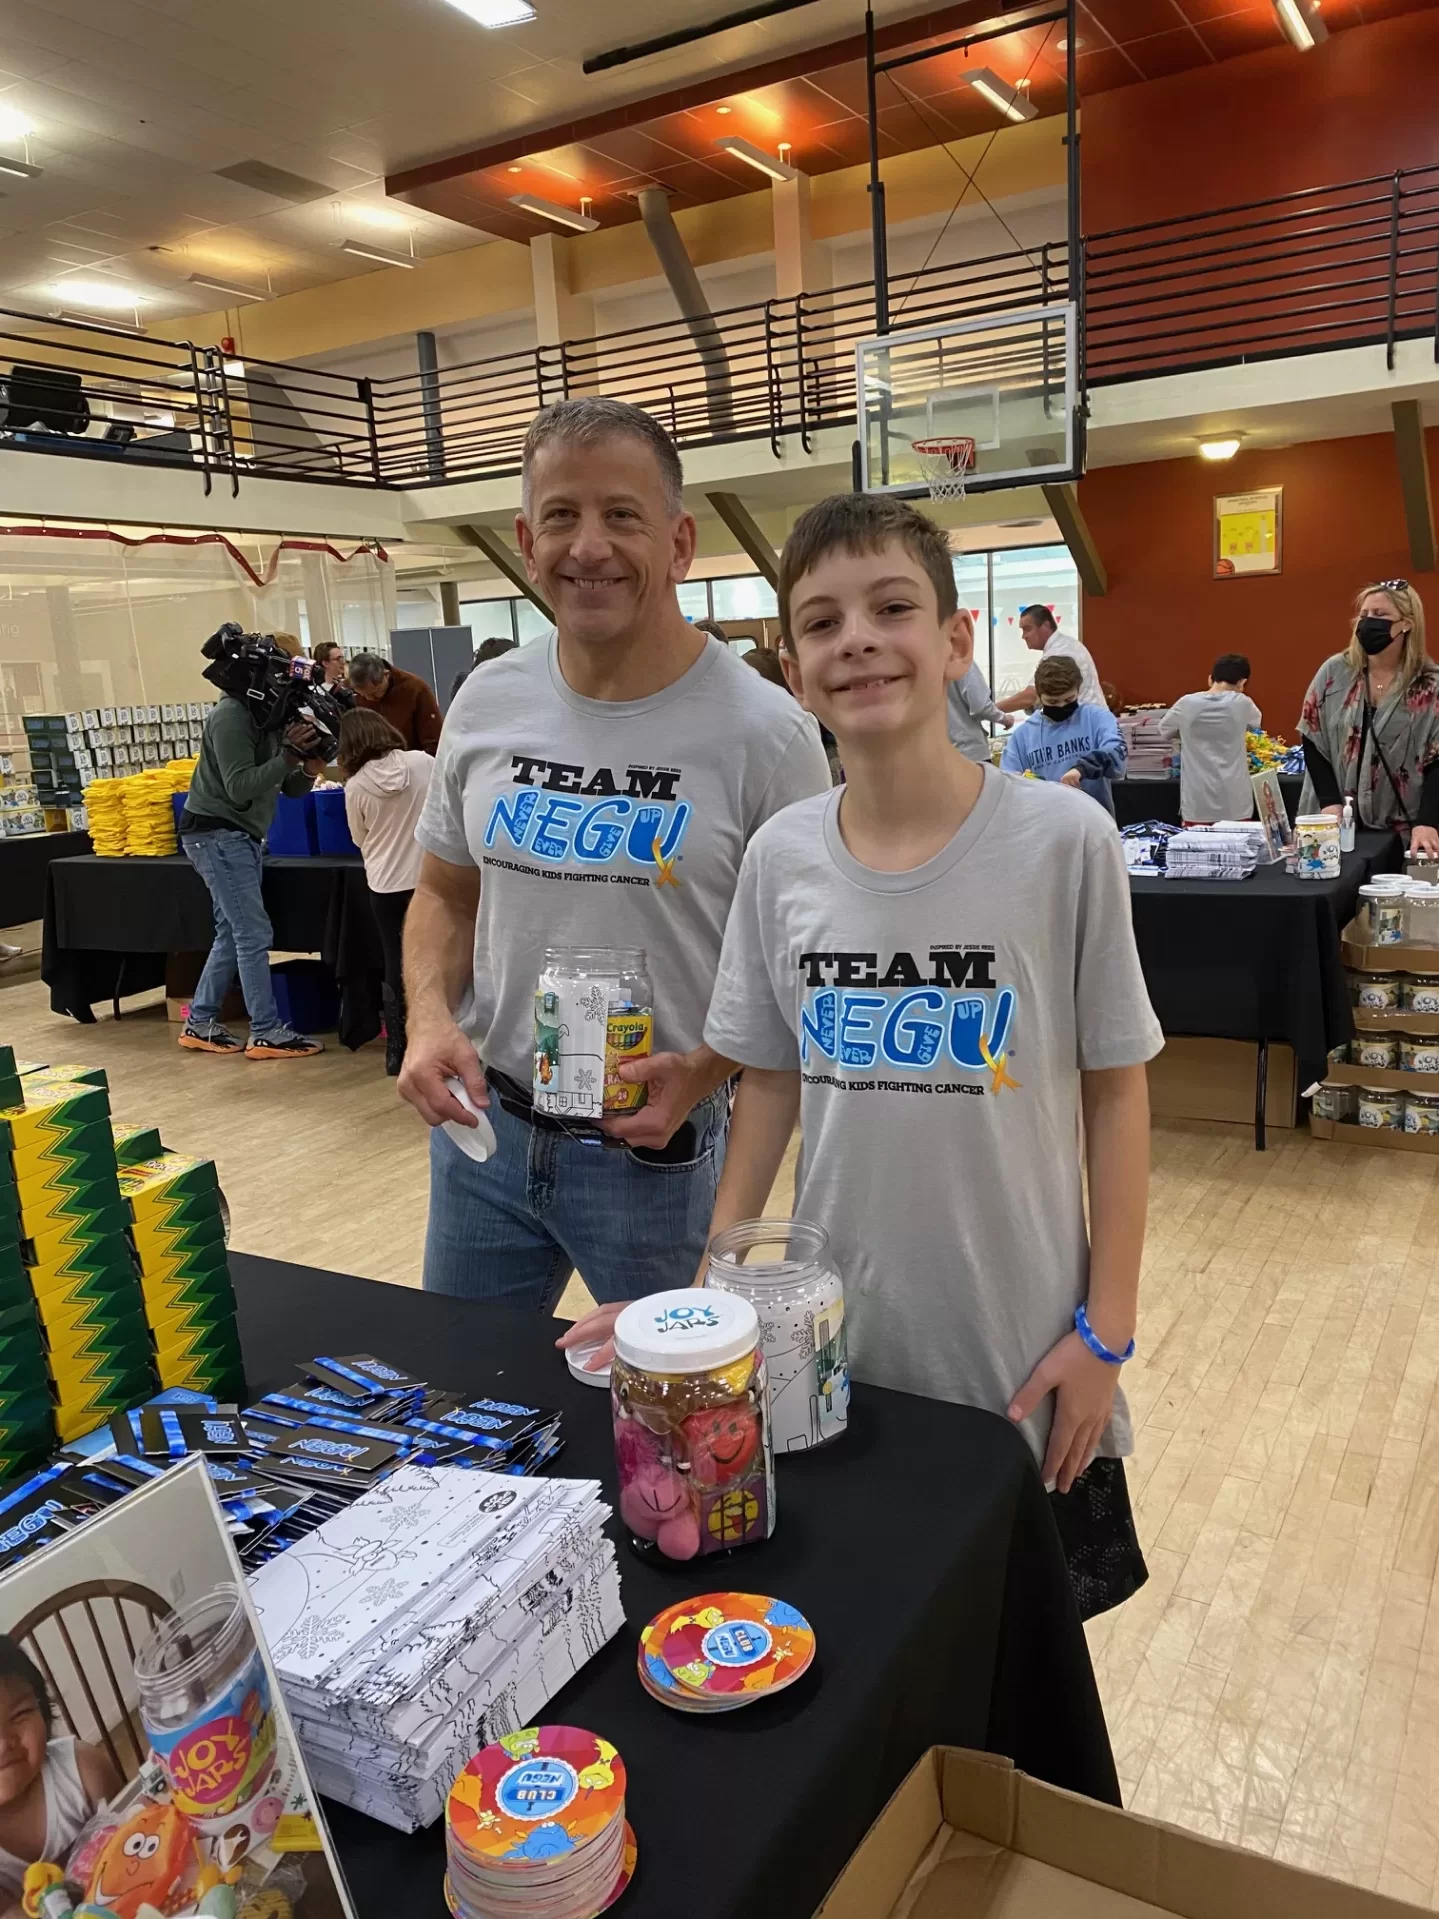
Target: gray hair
584,422
368,669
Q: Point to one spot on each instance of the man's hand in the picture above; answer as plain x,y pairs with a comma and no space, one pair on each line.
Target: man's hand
1072,778
1333,812
301,737
677,1082
434,1054
596,1327
1425,839
317,769
1083,1389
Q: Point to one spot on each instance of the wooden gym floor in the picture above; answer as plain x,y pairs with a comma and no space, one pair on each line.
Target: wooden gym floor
1277,1682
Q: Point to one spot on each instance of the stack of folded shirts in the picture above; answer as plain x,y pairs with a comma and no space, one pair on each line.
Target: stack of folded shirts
1151,756
438,1612
105,808
1206,853
149,814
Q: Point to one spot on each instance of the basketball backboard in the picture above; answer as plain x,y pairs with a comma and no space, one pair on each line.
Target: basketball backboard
1007,380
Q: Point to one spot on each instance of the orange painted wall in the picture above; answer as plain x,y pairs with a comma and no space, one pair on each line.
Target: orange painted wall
1165,618
1263,124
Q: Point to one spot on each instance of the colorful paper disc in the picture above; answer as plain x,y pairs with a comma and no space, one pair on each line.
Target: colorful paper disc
537,1794
728,1646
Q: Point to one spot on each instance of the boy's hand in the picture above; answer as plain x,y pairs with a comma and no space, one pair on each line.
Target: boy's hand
596,1326
1072,778
1083,1389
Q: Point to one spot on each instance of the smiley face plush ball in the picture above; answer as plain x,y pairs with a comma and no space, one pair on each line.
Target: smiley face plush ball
721,1443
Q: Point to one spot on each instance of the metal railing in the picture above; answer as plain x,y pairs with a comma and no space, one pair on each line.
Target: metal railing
1349,265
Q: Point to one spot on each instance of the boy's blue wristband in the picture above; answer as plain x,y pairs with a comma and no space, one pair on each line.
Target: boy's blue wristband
1095,1344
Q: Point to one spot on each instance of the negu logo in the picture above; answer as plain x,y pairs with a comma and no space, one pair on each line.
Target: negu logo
562,812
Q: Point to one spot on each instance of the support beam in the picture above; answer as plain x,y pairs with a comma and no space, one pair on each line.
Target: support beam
430,409
1414,483
450,602
1063,504
499,551
799,266
562,317
741,522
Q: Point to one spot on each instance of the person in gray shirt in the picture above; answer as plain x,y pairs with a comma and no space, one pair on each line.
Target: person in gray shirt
970,702
596,789
1214,779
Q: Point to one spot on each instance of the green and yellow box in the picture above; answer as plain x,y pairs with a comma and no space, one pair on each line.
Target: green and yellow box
53,1110
160,1244
89,1149
67,1245
11,1092
42,1213
204,1287
73,1075
73,1372
135,1143
225,1378
91,1407
215,1340
171,1187
80,1330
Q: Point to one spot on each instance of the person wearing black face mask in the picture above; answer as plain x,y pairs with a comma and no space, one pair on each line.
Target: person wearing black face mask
1370,724
1067,740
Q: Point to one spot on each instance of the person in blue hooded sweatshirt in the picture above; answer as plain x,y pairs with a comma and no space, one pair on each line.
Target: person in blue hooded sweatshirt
1079,745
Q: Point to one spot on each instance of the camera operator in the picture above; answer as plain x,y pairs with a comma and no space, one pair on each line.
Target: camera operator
251,753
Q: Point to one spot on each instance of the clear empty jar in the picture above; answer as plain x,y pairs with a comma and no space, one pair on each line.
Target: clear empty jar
594,1011
1421,915
799,1296
1334,1099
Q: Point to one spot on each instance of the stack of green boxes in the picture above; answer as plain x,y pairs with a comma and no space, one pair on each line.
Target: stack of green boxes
27,1414
179,1233
61,1153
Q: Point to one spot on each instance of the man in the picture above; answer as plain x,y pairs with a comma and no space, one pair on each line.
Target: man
1042,635
404,699
970,703
329,655
606,783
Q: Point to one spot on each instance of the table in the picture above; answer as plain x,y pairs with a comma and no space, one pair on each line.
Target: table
110,923
949,1618
24,862
1136,801
1256,959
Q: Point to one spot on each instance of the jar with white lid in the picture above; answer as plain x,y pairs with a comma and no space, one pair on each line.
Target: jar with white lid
1386,914
1377,992
799,1297
1419,992
689,1397
1421,1113
1377,1049
1421,914
1381,1108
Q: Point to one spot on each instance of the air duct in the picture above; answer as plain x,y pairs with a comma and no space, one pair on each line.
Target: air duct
693,305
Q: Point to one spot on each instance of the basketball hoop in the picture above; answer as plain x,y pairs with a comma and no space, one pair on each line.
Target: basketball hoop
946,464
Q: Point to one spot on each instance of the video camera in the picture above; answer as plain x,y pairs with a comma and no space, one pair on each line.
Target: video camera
278,690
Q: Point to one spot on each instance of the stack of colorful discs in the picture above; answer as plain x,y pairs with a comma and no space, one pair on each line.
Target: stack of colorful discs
535,1828
723,1651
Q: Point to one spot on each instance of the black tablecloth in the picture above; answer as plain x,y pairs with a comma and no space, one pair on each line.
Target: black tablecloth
920,1547
1136,801
23,865
1256,959
109,924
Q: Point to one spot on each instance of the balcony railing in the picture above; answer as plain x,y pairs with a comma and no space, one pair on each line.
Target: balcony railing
1352,265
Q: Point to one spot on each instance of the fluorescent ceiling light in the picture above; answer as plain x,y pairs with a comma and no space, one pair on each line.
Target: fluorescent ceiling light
107,295
14,125
1301,23
1220,449
756,157
19,169
365,251
496,13
552,210
101,326
234,369
225,286
1013,104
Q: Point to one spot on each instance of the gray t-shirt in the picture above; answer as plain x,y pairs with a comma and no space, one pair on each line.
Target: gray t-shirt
1213,758
971,701
1091,693
939,1020
608,823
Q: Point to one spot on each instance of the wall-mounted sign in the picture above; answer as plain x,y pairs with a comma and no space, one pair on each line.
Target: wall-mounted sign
1248,532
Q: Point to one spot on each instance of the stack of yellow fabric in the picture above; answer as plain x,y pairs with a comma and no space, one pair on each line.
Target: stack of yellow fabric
105,809
149,813
180,773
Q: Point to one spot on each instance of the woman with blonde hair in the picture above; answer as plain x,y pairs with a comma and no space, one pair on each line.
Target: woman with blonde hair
1370,725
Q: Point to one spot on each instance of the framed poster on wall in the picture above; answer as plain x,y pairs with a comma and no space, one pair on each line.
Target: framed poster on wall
1248,533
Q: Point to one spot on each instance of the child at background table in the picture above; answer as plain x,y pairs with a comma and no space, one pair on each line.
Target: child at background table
957,947
1214,779
48,1787
1077,745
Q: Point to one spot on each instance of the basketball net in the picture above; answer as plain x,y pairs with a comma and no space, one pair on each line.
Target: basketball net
946,465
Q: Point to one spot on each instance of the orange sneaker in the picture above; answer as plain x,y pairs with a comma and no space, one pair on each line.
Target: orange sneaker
284,1046
209,1039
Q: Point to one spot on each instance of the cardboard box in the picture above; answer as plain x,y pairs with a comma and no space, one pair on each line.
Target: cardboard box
170,1187
1364,958
1214,1079
1383,1137
134,1143
170,1246
52,1111
969,1837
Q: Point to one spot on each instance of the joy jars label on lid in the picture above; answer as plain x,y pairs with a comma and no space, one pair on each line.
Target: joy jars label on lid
690,1402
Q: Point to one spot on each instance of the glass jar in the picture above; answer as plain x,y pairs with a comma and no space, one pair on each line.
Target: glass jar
1419,992
594,1011
689,1397
1316,838
1334,1099
1376,1049
205,1705
1381,1108
1386,914
1421,915
799,1297
1418,1052
1377,992
1421,1113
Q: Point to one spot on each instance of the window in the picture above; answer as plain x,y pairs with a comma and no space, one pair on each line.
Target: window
1023,576
694,599
746,598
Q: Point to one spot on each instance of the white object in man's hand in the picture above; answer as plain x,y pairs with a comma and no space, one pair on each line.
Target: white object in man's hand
477,1136
433,1057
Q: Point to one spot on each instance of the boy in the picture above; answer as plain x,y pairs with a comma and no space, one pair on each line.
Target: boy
879,943
1077,745
1213,753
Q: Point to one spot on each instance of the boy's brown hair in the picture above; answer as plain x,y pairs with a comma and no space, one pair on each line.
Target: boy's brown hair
864,523
1057,677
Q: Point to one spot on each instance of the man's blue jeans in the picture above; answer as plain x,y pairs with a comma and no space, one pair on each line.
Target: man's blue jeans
230,864
510,1229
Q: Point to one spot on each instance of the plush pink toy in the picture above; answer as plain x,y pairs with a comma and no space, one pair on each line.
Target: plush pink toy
635,1448
655,1505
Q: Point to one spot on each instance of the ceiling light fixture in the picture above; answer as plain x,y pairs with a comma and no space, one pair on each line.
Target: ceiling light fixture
724,109
13,125
495,13
19,169
225,286
364,251
552,210
134,329
1220,449
516,169
107,295
756,157
1013,104
1301,23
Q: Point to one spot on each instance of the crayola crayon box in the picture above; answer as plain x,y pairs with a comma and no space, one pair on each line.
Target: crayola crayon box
171,1187
10,1093
53,1110
135,1143
82,1075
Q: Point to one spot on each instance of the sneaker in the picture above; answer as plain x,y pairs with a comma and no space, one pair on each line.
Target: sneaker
209,1039
283,1046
